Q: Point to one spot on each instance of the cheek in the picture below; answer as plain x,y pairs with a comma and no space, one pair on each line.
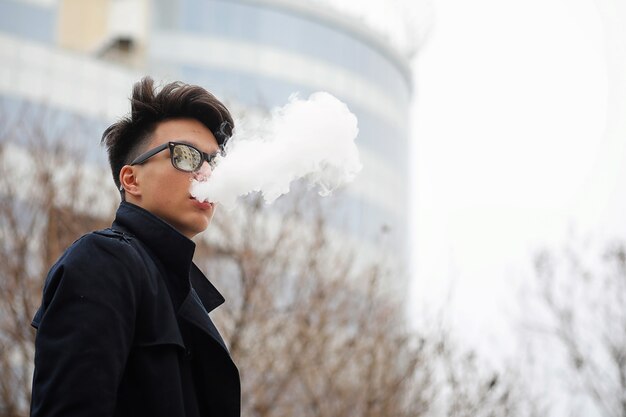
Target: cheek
175,185
162,198
167,185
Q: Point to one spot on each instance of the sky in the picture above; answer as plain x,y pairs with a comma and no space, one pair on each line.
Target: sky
518,145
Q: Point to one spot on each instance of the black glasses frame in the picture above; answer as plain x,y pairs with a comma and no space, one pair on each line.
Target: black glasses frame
149,154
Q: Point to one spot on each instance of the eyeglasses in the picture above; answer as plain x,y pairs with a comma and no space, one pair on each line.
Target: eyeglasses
184,157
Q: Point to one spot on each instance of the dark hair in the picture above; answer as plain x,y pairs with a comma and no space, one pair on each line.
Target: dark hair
125,139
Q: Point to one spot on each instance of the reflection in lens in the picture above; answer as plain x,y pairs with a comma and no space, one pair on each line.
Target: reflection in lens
186,158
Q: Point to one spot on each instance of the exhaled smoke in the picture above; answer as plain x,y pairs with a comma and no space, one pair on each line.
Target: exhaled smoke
311,139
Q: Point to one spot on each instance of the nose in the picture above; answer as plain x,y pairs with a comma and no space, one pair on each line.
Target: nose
204,172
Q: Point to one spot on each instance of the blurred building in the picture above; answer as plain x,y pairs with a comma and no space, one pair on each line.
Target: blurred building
82,57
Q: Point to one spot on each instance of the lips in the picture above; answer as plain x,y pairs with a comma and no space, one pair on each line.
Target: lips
203,205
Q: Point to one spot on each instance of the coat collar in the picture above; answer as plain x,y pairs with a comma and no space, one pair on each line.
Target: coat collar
172,249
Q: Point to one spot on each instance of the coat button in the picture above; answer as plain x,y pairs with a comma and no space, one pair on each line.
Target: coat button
188,353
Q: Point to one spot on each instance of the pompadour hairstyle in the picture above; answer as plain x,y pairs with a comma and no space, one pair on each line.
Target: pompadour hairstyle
126,138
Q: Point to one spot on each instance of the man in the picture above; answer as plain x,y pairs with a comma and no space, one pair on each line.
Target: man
123,328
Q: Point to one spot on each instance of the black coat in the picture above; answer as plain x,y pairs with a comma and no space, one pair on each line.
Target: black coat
123,328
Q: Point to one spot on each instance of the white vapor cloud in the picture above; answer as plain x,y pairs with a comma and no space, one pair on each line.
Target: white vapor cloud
310,139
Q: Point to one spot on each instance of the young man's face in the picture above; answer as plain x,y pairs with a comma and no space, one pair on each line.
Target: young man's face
164,190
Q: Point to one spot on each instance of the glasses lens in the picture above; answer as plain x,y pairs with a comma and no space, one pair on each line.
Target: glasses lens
186,158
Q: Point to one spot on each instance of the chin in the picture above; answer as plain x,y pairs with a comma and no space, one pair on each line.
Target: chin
201,226
192,228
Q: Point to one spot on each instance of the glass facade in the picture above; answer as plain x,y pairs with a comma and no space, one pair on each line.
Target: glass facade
28,20
289,31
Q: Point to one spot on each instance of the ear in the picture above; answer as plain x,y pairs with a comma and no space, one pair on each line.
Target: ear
129,182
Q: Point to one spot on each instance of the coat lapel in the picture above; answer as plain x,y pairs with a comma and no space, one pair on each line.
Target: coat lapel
192,310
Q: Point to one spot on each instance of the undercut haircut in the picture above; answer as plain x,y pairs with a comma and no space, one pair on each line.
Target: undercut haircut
127,138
